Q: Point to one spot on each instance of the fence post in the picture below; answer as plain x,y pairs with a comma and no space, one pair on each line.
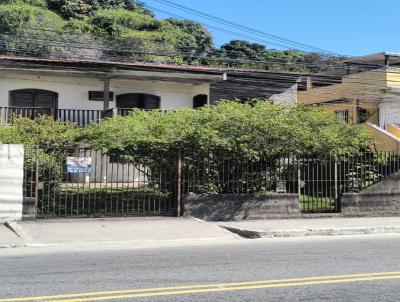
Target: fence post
103,168
178,182
36,180
298,177
336,184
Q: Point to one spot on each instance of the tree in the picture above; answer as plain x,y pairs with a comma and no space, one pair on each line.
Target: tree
239,51
85,8
203,39
29,29
40,3
117,22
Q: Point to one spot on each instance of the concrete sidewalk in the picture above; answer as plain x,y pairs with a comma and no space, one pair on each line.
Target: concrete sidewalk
157,231
8,238
313,226
112,231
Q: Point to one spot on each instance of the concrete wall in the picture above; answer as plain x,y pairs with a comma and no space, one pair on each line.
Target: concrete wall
11,182
288,97
393,77
382,140
225,207
73,91
380,199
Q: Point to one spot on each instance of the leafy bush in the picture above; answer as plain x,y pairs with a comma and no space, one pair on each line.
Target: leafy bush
40,3
114,22
30,28
244,129
21,18
43,130
84,8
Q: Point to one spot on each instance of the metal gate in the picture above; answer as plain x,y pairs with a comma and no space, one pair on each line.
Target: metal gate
81,182
318,185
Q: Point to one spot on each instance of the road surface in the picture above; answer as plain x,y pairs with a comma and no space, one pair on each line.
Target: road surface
347,268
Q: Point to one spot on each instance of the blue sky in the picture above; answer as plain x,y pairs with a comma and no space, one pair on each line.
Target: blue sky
349,27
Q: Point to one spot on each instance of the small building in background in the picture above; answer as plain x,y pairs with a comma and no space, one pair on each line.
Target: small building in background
366,91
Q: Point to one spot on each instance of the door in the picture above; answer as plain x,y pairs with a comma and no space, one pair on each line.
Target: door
34,102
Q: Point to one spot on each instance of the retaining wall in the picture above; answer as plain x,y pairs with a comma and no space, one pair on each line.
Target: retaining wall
380,199
11,182
225,207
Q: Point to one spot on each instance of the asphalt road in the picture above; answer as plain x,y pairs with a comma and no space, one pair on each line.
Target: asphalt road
363,268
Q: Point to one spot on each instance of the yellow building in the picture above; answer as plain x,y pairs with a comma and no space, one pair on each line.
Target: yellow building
366,92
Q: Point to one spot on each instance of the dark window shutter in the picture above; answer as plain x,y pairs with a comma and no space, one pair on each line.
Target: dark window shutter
138,100
21,98
151,101
199,100
45,99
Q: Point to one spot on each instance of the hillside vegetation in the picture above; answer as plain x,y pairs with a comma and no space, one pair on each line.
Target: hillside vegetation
127,30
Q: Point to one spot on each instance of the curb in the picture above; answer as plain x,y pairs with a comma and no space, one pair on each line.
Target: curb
254,234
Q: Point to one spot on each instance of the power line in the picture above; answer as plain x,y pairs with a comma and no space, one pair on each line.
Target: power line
244,28
188,54
266,42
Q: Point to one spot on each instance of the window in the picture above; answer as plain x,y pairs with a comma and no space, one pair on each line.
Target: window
99,96
342,114
44,101
200,100
138,100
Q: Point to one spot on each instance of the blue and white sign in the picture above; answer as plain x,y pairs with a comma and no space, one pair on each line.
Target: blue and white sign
79,164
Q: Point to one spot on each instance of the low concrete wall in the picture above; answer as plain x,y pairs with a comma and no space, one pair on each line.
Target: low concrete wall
11,182
380,199
225,207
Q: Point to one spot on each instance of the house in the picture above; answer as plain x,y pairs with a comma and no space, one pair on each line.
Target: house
75,90
366,92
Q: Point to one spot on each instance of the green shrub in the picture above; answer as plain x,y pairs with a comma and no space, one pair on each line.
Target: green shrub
43,130
24,18
114,22
249,130
40,3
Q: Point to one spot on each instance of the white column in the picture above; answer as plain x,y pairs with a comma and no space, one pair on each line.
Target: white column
11,182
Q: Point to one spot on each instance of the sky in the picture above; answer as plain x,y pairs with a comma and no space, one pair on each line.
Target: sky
345,27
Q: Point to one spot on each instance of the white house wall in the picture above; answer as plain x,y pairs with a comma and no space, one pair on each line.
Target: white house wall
73,90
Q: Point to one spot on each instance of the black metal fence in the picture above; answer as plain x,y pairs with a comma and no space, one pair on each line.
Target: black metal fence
96,184
318,180
83,182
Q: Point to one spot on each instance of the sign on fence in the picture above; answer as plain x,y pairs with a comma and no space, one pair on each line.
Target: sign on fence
79,164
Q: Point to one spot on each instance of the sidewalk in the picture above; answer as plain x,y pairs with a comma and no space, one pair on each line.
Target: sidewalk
313,227
111,231
8,238
142,232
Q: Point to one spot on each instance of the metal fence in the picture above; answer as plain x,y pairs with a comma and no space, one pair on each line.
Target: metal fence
144,184
318,180
101,186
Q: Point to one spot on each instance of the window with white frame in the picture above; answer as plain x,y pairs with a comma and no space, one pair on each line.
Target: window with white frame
342,114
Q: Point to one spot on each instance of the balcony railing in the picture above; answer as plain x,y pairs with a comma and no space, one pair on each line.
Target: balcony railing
80,117
8,113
